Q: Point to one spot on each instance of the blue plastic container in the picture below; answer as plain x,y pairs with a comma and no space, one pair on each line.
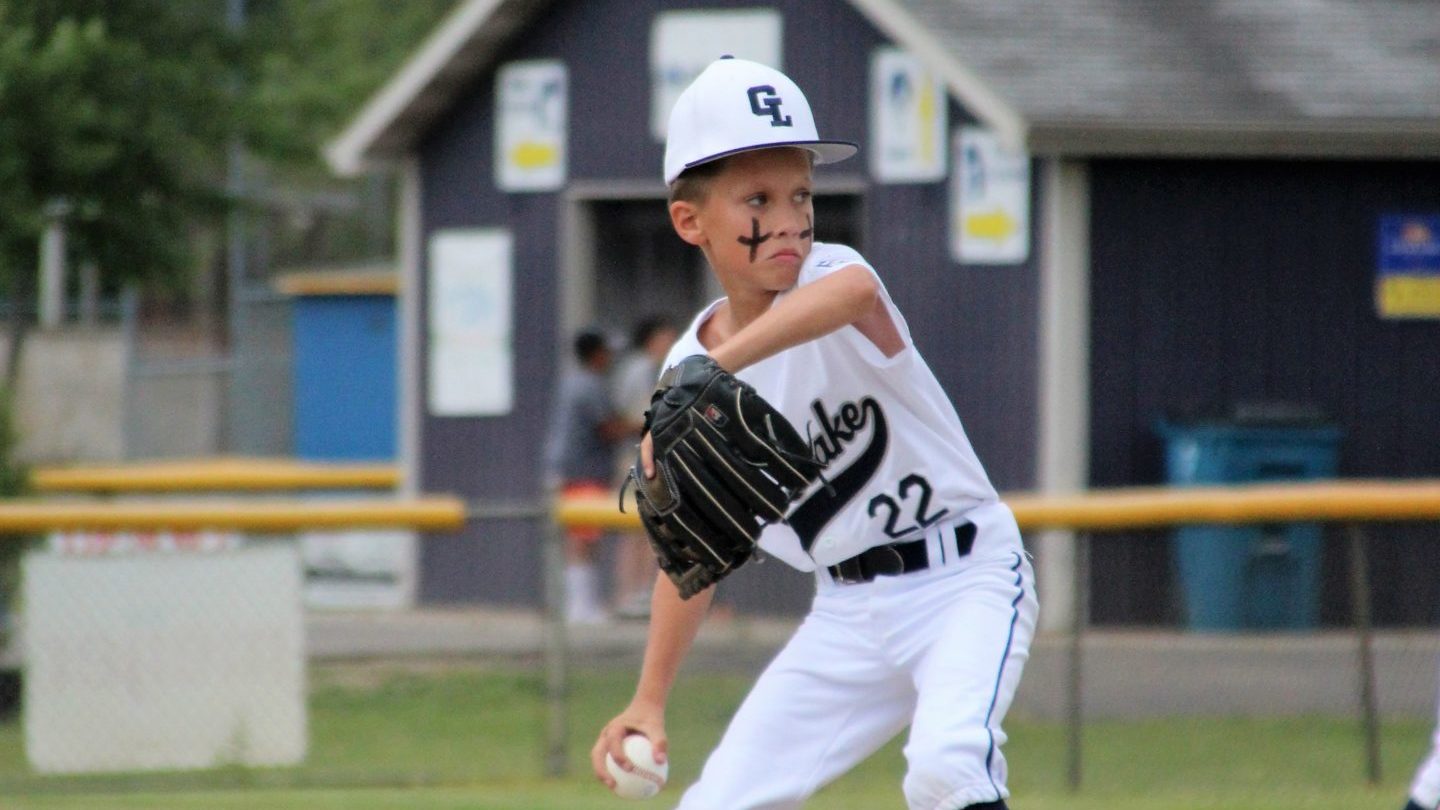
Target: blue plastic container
1248,577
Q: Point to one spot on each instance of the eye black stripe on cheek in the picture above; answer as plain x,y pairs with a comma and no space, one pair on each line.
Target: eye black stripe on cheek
755,238
810,231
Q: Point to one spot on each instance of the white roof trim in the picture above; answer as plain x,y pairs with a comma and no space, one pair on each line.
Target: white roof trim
347,152
965,85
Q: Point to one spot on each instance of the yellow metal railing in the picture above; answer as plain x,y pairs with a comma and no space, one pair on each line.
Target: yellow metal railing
235,474
434,513
1154,507
212,494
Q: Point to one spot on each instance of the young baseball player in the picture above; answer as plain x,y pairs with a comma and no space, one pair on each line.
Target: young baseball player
925,603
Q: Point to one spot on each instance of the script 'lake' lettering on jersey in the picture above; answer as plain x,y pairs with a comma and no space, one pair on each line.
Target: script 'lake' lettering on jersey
836,432
840,429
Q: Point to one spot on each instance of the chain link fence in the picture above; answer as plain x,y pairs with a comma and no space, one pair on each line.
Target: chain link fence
187,394
199,668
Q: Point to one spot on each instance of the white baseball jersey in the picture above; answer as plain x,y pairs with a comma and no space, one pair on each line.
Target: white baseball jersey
898,458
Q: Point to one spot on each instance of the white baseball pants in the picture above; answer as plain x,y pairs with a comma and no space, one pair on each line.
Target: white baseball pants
940,650
1425,788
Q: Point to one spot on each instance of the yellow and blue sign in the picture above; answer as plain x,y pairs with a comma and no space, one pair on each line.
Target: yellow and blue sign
1407,283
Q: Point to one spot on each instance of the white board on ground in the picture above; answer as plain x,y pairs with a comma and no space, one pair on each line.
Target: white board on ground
164,661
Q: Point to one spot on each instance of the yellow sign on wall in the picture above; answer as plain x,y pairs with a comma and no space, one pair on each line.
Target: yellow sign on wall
1408,296
1407,282
989,200
532,110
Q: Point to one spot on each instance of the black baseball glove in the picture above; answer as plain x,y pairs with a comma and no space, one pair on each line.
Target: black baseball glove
726,463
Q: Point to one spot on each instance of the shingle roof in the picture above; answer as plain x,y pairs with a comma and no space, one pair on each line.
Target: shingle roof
1199,59
1134,77
1247,67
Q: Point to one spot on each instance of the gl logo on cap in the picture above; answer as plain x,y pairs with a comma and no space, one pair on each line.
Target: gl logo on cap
763,101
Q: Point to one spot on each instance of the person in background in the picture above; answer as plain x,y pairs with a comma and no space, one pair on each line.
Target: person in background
634,379
580,461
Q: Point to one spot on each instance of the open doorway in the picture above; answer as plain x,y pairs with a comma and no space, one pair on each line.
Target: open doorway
641,268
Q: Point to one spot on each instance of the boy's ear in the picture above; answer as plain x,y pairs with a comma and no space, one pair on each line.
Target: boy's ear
685,217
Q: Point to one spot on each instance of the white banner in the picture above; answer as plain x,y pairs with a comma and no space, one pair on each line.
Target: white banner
87,543
682,43
989,200
908,119
470,358
531,108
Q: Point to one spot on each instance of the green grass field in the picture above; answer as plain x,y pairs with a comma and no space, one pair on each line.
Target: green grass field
472,739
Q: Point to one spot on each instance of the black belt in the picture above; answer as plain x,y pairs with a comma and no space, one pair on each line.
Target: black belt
901,558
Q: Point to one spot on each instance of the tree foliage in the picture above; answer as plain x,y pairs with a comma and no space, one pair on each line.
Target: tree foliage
315,62
124,112
118,111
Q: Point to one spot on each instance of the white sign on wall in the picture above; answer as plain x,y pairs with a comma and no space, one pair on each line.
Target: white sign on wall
530,131
908,119
470,358
989,200
682,43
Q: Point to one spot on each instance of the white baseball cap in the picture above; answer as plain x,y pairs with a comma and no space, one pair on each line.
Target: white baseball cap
735,106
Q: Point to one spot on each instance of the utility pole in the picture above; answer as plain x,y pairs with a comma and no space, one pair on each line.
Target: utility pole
235,254
52,264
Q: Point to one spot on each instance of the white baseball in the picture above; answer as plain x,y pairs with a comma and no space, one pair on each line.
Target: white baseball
647,778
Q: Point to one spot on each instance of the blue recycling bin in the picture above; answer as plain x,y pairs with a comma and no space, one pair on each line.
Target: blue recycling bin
1248,577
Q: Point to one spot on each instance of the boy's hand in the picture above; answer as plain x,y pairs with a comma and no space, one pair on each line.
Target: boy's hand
636,719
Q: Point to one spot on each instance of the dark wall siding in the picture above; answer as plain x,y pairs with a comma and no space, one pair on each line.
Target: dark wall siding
976,326
491,458
1222,282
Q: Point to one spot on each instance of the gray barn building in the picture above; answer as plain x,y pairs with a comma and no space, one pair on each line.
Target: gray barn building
1206,181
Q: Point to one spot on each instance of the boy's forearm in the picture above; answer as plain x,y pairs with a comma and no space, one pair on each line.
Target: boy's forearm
674,623
809,312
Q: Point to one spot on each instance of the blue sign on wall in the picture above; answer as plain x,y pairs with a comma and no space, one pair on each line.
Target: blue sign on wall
1407,283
